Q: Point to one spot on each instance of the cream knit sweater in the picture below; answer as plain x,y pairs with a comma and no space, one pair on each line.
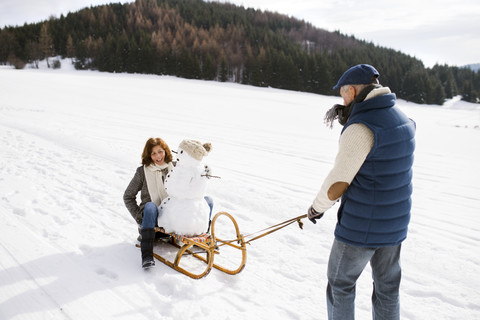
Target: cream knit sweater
355,144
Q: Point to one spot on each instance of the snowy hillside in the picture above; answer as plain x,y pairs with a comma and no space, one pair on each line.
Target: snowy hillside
70,142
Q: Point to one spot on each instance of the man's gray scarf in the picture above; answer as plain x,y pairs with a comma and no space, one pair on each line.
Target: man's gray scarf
341,112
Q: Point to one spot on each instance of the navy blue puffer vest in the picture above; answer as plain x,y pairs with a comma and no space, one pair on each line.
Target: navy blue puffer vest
375,209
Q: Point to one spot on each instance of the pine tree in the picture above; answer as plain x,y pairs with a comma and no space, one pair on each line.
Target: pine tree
46,44
223,70
70,49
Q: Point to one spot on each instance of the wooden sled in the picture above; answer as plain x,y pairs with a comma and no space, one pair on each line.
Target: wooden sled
204,249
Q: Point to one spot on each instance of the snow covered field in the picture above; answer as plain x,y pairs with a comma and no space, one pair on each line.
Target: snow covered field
70,142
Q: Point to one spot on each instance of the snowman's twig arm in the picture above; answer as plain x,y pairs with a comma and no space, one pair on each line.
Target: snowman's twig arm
210,176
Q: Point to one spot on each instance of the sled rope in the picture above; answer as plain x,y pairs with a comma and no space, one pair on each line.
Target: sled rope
270,229
277,227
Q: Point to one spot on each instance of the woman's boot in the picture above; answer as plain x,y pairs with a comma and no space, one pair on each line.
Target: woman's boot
146,245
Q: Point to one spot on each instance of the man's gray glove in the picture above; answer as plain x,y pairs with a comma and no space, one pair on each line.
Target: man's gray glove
313,215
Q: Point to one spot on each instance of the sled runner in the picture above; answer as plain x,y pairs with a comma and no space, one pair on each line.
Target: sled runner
211,249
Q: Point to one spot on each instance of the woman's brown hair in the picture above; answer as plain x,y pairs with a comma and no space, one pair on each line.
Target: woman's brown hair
147,151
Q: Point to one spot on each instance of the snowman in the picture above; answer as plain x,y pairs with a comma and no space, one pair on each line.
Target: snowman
185,210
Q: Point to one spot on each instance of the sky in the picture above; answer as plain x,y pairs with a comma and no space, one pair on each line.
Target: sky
435,31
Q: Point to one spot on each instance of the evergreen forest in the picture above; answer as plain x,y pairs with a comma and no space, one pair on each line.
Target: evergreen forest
223,42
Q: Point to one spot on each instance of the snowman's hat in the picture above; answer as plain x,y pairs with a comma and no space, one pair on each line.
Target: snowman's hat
195,148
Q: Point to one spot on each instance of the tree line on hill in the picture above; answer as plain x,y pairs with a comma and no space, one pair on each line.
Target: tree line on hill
223,42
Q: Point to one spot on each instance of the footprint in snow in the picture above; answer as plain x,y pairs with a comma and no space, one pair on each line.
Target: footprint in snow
106,273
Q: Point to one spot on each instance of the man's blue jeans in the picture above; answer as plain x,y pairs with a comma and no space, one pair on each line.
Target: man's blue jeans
345,265
150,213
